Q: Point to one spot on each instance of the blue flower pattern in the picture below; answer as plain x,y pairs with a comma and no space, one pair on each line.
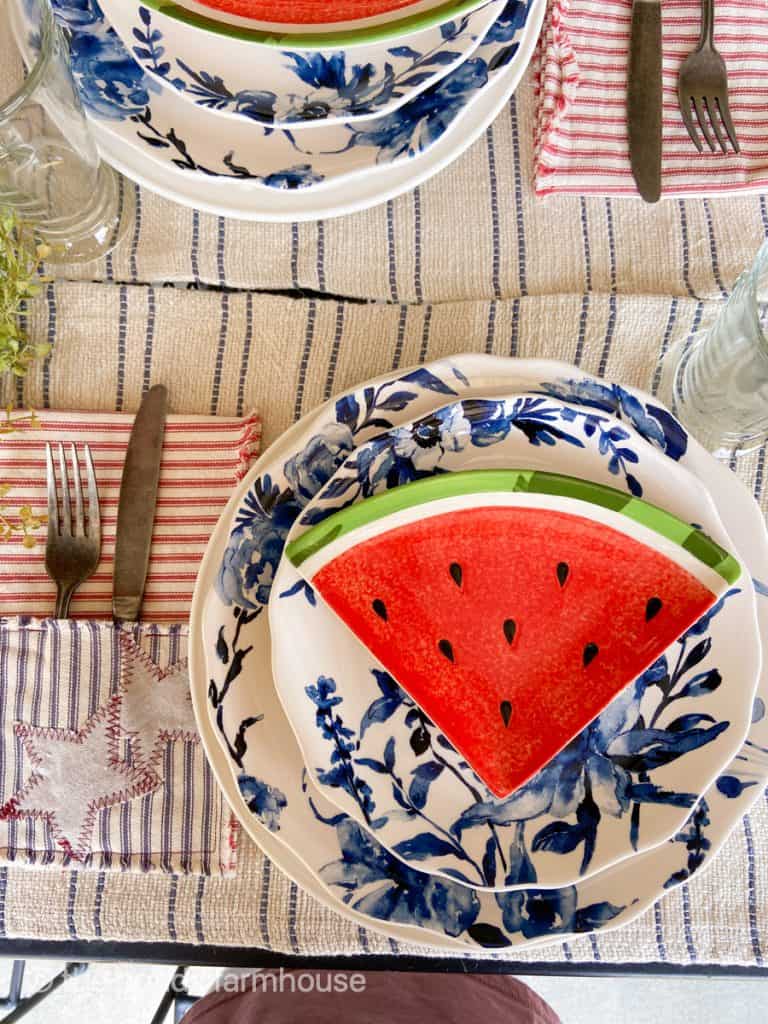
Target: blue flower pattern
113,86
335,87
376,882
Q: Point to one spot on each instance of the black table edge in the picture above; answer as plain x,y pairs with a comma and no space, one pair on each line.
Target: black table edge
173,953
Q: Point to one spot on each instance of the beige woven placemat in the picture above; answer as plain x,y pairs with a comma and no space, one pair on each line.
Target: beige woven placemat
224,352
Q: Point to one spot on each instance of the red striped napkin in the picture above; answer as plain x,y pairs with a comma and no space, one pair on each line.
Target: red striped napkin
581,136
203,458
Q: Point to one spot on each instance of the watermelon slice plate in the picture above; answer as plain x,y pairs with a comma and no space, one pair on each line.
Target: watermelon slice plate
512,606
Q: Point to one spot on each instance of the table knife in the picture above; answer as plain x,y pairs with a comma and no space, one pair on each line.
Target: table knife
136,510
644,91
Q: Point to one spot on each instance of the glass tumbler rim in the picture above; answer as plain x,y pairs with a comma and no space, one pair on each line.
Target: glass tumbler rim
48,29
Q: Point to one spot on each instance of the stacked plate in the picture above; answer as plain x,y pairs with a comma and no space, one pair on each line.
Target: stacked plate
477,661
223,105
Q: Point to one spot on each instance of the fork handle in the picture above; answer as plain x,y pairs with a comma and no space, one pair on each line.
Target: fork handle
63,598
707,23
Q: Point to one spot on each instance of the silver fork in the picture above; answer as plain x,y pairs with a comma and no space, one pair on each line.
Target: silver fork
74,544
703,84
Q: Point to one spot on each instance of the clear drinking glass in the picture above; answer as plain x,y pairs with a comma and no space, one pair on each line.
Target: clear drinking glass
50,171
716,381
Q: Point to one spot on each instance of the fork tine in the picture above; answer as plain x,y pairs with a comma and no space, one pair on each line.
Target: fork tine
66,508
50,486
711,106
725,113
94,515
79,523
685,110
703,123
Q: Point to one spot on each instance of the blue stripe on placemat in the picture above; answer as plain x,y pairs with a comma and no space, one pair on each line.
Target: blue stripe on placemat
490,331
309,337
3,897
567,952
194,255
205,844
338,334
133,259
295,257
199,933
400,342
713,249
321,255
764,214
611,325
221,242
50,299
362,937
595,947
97,903
417,285
522,275
584,317
150,337
122,332
247,342
687,928
73,700
754,933
166,818
219,364
759,475
172,892
188,803
515,332
425,333
659,925
391,261
293,895
671,318
686,249
71,903
264,901
494,200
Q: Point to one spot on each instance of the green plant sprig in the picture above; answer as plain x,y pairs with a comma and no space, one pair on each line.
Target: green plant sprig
21,258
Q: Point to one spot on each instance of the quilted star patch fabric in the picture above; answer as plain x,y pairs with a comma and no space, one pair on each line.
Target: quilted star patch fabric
100,763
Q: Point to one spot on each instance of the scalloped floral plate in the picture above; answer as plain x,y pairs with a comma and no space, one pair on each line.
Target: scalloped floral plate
167,130
295,87
371,752
277,806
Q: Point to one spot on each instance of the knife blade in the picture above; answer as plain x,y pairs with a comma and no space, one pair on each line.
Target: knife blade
644,92
136,509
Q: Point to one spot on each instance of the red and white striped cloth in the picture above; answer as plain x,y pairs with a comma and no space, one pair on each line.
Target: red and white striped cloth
203,458
581,135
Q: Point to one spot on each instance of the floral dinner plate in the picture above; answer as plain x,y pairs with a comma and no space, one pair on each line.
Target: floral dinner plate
352,721
354,872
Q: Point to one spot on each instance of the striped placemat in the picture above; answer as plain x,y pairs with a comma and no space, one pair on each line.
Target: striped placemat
581,129
203,457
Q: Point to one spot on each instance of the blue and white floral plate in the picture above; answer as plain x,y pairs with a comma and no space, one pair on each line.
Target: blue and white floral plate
370,750
292,87
166,130
324,849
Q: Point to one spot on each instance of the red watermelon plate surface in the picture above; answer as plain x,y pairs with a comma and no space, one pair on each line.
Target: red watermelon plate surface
312,12
511,605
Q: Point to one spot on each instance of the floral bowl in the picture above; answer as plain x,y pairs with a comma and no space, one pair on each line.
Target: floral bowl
293,85
310,22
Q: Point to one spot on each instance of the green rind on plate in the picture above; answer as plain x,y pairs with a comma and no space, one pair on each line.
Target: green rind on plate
449,485
317,40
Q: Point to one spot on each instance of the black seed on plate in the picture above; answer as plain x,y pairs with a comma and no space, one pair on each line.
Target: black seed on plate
590,653
380,608
506,712
562,573
445,649
456,573
653,608
510,628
